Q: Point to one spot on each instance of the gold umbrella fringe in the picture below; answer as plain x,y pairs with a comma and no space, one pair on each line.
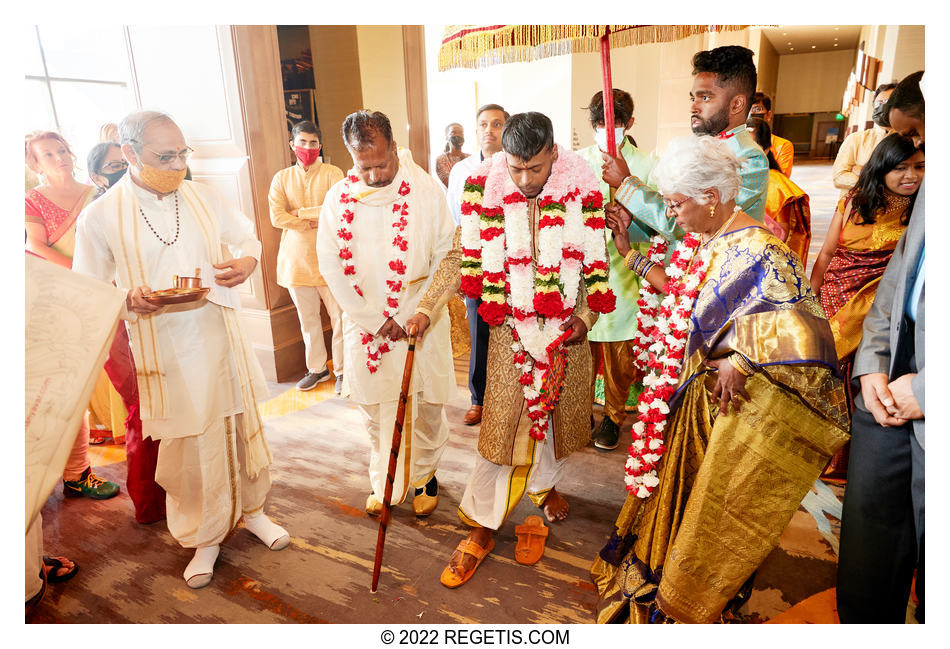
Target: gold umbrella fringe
471,46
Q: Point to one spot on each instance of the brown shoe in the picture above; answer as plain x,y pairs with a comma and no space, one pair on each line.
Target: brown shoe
473,416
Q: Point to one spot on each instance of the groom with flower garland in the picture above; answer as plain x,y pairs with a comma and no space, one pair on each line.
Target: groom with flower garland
531,246
383,231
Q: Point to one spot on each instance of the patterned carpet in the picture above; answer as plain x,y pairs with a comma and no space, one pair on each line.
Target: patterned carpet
132,573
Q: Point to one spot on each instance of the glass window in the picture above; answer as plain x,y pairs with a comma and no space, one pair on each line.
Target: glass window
83,107
33,61
38,111
89,53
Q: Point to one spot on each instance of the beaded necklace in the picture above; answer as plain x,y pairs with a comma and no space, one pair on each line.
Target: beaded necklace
177,224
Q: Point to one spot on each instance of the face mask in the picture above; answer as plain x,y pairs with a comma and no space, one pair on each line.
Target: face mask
600,137
113,177
880,110
457,141
306,156
164,181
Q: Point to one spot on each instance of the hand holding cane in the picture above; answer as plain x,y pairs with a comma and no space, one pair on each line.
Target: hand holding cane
393,455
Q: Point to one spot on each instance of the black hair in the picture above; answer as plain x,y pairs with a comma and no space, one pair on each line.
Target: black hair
761,98
733,66
305,126
485,107
527,134
623,107
97,155
359,128
762,135
868,193
907,97
884,86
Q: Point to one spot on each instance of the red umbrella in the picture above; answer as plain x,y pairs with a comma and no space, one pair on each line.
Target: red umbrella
476,46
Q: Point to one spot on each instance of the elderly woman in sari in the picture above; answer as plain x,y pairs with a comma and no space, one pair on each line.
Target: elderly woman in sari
753,415
863,234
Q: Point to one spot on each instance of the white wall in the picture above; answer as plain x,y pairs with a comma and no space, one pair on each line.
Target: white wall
383,75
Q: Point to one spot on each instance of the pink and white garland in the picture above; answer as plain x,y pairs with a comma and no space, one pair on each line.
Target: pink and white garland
662,331
375,348
498,263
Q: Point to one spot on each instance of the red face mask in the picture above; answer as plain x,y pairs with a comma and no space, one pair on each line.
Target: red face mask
306,156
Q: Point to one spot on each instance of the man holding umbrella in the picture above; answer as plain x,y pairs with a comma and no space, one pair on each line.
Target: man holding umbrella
724,81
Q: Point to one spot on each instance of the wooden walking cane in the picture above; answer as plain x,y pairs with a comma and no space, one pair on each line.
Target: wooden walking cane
393,455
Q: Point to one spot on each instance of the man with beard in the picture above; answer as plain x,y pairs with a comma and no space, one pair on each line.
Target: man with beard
724,80
489,119
531,247
856,149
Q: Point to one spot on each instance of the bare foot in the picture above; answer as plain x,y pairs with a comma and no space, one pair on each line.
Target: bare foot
555,507
479,535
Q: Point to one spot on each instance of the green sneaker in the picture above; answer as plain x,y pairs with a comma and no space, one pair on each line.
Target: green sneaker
90,486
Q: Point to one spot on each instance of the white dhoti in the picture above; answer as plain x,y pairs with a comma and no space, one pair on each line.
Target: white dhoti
207,485
494,490
34,557
425,432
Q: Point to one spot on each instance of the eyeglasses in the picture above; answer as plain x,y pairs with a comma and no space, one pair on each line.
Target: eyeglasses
675,207
165,158
117,165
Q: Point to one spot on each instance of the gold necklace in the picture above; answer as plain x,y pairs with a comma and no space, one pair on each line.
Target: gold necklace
725,226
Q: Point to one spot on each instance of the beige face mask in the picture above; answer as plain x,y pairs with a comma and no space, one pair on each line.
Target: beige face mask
164,181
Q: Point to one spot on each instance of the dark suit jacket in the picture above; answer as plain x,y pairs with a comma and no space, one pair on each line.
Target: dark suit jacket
884,326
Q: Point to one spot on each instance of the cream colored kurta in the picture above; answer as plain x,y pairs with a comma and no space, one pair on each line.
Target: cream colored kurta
201,379
301,190
429,234
856,150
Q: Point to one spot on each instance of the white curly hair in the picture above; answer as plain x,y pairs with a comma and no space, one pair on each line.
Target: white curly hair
692,164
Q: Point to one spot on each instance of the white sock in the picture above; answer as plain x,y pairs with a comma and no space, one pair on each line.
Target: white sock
200,569
270,533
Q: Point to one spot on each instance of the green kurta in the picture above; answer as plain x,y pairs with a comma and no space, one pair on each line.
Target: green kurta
620,324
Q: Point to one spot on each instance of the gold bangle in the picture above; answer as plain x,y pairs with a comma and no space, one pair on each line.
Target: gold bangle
629,255
742,364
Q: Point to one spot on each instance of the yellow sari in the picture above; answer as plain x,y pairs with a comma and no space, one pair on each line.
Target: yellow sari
729,484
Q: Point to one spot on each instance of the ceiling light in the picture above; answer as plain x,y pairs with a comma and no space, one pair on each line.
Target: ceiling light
836,45
836,28
790,42
791,49
812,47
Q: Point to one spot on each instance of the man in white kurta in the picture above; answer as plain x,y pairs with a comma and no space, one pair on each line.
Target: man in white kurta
198,378
384,185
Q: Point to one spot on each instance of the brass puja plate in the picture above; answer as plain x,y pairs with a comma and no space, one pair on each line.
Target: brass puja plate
170,296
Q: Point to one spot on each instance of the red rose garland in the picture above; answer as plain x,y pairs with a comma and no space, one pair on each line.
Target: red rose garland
397,263
662,330
534,297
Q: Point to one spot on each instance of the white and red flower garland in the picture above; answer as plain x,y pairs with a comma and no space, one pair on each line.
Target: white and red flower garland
662,331
534,297
397,263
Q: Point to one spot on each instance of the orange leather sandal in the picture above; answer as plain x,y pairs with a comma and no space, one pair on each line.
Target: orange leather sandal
453,580
531,538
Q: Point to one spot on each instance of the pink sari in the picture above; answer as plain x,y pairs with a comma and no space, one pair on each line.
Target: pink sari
60,224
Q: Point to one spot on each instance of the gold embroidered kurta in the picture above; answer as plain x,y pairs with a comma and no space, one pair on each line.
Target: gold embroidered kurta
503,437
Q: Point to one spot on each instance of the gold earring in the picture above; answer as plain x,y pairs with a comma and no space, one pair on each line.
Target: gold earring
712,211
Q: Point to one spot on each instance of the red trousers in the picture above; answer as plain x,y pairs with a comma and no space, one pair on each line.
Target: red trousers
141,454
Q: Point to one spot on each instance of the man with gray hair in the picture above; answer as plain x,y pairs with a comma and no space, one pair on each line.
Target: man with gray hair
383,230
199,381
